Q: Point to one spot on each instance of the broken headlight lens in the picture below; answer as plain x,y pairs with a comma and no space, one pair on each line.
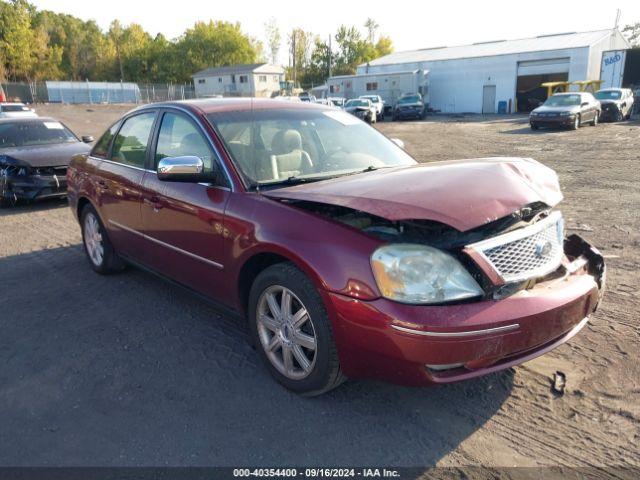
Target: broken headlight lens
420,274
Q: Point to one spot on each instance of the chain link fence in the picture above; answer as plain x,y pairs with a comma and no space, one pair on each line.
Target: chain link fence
95,92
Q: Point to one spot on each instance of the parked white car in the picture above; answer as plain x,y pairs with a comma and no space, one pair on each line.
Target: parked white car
376,101
16,110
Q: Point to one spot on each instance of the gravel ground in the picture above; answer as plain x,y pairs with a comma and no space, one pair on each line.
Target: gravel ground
128,370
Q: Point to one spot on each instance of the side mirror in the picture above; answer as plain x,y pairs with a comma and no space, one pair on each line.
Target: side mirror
585,104
398,142
87,138
181,169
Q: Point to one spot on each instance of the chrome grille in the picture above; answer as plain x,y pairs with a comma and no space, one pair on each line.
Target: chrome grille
527,253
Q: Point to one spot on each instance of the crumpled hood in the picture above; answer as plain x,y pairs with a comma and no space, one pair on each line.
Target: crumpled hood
463,194
45,155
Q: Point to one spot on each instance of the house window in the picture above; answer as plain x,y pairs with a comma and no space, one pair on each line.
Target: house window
201,80
372,86
244,79
219,79
348,84
276,78
262,78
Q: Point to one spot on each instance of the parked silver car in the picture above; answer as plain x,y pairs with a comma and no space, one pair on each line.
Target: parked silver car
617,103
16,110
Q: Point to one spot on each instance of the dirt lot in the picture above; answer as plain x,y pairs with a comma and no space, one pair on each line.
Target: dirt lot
128,370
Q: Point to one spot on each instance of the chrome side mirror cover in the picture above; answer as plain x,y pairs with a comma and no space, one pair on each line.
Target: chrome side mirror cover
181,169
398,142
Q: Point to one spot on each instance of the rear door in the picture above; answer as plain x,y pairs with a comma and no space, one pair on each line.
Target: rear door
119,181
184,222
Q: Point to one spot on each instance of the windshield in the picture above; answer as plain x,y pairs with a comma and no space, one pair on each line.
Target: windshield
410,99
23,134
562,101
608,95
295,144
14,108
372,99
357,103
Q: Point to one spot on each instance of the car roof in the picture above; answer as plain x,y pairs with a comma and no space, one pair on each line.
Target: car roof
12,104
612,89
215,105
27,120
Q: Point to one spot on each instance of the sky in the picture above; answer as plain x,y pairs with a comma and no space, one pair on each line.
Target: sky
410,24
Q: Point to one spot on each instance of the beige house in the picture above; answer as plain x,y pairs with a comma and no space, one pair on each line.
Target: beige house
253,80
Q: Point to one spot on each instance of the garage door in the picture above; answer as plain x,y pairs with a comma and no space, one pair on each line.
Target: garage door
543,67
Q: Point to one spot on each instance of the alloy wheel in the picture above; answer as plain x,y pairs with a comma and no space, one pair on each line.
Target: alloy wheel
286,332
93,239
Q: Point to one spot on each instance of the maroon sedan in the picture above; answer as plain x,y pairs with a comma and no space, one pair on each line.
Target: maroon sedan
347,257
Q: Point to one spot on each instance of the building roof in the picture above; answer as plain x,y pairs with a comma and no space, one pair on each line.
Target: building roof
499,47
377,74
238,69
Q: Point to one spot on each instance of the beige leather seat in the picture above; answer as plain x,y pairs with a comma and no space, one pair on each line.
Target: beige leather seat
288,159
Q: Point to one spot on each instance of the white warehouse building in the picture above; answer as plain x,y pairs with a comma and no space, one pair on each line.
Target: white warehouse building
476,78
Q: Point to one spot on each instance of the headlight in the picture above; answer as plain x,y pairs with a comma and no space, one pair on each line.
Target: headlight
411,273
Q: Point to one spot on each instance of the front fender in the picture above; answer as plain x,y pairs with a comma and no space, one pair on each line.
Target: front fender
336,257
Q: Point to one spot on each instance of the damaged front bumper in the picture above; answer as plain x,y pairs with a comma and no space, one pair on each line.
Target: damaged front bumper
421,345
32,183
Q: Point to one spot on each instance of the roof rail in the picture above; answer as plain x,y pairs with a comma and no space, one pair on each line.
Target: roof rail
431,48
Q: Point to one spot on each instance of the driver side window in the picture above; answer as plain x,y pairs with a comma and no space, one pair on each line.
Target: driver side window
179,137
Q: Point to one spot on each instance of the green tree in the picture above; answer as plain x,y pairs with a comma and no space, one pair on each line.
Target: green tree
213,44
17,39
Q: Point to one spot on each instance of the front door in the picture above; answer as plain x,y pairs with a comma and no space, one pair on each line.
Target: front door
120,177
184,222
489,99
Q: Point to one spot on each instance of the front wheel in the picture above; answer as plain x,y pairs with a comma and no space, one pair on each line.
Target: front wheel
98,248
291,330
596,119
576,123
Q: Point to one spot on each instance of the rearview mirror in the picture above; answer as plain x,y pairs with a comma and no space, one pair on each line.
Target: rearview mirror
87,138
181,169
398,142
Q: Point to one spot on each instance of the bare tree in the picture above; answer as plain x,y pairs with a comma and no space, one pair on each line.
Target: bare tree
372,28
274,39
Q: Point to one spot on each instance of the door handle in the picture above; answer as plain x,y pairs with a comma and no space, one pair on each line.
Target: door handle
154,202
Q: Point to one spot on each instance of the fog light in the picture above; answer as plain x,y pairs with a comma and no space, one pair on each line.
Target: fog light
448,366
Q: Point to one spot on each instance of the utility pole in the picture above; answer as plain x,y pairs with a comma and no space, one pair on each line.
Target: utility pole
618,13
293,56
330,56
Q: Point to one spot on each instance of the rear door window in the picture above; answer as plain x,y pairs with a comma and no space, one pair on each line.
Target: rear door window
130,145
101,148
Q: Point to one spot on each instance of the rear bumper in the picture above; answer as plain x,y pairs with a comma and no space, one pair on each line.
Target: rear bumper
33,187
421,345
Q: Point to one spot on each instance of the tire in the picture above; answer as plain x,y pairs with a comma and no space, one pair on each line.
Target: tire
594,123
97,247
618,117
534,127
576,123
319,371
